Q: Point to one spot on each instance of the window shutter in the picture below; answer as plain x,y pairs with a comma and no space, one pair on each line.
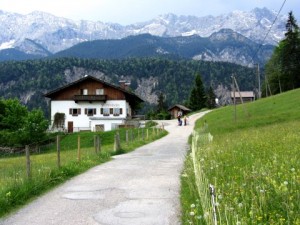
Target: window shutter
79,111
101,111
111,111
94,111
121,111
85,111
70,111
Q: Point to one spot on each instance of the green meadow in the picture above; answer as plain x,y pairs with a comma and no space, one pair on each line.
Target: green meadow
251,159
17,189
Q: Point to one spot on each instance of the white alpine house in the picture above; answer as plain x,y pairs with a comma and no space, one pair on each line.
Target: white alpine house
91,104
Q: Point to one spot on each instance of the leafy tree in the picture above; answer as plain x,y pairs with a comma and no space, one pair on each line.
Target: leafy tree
34,127
197,98
14,115
20,127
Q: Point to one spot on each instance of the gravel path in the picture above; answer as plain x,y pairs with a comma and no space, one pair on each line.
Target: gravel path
138,188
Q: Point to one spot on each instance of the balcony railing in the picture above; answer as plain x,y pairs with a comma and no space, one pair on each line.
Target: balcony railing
90,98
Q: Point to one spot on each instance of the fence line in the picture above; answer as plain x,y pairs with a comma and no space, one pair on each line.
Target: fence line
203,187
64,150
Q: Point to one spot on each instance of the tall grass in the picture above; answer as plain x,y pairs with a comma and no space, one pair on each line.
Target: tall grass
253,164
17,189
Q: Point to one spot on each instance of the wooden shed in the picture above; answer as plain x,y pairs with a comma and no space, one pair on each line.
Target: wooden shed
177,110
247,96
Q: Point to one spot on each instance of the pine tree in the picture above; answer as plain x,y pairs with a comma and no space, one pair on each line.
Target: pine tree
211,98
197,98
290,53
283,69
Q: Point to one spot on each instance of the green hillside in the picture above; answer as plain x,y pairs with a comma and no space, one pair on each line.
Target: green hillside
279,108
252,163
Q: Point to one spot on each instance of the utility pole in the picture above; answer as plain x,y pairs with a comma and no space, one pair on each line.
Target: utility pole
233,92
258,77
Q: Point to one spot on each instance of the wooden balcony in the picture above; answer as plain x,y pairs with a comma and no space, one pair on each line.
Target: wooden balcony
90,98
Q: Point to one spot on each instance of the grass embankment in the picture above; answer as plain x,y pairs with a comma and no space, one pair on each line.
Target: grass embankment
253,164
16,189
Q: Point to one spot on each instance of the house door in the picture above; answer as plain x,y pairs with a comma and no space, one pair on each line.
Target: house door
70,126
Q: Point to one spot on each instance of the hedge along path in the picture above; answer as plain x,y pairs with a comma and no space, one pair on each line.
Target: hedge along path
141,187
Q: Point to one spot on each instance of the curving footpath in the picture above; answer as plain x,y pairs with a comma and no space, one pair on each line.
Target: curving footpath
138,188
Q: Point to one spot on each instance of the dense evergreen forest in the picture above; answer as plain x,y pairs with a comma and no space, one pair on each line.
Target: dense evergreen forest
283,69
29,80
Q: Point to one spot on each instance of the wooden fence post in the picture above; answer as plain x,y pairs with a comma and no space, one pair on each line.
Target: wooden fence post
78,149
28,166
132,135
143,135
98,144
95,143
127,138
58,150
117,145
147,134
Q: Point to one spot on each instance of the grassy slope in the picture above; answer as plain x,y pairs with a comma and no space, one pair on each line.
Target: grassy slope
275,109
259,153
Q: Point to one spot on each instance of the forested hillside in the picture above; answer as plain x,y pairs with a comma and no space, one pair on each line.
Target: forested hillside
29,80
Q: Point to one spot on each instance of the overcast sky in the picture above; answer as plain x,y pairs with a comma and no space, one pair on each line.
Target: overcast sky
131,11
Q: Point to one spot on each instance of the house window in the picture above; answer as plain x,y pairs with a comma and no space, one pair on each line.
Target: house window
90,111
100,91
105,111
74,111
84,91
117,111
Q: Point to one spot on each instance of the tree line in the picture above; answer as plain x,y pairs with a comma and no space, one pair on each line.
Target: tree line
29,80
283,69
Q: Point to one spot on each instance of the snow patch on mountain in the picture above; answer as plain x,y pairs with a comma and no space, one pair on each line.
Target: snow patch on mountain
8,44
57,33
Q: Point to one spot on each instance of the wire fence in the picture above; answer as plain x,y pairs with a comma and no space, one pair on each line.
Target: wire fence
205,190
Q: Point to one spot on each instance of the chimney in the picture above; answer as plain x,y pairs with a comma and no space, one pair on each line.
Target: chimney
124,84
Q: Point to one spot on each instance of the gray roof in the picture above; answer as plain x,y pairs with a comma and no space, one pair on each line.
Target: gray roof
244,94
180,107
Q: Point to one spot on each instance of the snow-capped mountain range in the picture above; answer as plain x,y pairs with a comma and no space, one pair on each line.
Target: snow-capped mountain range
51,34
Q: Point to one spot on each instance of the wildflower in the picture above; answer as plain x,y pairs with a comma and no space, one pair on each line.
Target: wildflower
285,183
192,205
240,205
262,191
199,217
293,169
238,223
184,175
8,194
217,204
206,214
220,196
192,213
